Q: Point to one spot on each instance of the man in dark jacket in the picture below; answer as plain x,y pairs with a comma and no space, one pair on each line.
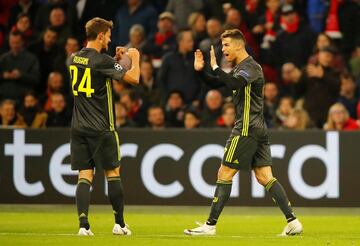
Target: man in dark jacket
19,69
177,70
319,85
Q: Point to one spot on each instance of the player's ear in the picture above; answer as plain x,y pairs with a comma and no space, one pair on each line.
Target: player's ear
100,36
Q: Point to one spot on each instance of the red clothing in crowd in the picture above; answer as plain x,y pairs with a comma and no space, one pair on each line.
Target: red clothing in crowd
350,124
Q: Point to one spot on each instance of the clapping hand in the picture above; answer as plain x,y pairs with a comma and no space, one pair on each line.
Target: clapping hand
213,62
199,60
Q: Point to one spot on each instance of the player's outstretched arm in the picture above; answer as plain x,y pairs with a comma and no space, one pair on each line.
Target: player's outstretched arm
132,76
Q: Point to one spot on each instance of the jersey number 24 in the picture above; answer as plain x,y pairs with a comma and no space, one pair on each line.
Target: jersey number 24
85,83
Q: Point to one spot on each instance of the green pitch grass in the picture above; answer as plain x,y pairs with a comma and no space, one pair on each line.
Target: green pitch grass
57,225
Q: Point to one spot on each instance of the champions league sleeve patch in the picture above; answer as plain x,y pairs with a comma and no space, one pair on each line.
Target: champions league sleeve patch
244,74
118,67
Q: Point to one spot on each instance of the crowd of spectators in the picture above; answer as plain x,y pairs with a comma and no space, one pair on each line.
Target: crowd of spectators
309,52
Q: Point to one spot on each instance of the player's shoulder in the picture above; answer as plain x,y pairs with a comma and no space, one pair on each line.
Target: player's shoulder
248,69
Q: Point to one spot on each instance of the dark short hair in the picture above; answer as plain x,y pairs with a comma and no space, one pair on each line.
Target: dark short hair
133,95
347,76
17,33
193,112
233,34
180,35
95,26
31,93
152,107
175,92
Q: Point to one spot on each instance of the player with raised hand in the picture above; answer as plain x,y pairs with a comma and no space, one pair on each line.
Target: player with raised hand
94,141
248,146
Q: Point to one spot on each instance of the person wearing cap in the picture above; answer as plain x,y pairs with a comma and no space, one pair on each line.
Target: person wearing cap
164,40
294,33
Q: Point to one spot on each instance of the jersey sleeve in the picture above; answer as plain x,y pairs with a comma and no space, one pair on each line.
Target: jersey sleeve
241,76
111,68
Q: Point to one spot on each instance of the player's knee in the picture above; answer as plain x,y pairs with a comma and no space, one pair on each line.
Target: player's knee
263,178
113,172
86,175
226,173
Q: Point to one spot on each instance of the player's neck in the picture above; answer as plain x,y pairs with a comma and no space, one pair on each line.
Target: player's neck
242,56
94,45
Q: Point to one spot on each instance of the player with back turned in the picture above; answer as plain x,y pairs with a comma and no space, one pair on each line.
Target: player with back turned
248,146
94,141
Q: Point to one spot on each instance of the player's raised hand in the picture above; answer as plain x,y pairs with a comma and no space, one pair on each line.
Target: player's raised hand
199,60
213,62
133,53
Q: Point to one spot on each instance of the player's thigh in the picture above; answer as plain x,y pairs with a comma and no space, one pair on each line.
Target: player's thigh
239,152
107,154
81,155
262,156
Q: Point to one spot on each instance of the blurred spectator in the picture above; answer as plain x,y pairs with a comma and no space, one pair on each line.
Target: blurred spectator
121,116
23,25
134,12
177,70
251,10
163,41
23,7
286,106
214,30
290,74
135,107
212,108
348,95
227,119
217,9
88,9
46,51
71,46
339,119
322,41
31,111
137,37
8,115
42,20
156,117
148,88
316,11
269,23
295,33
59,115
58,22
271,99
320,86
175,109
2,38
182,10
354,63
235,20
55,84
349,23
197,25
19,69
191,119
297,120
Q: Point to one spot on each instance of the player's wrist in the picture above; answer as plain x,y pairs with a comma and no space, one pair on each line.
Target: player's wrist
214,67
